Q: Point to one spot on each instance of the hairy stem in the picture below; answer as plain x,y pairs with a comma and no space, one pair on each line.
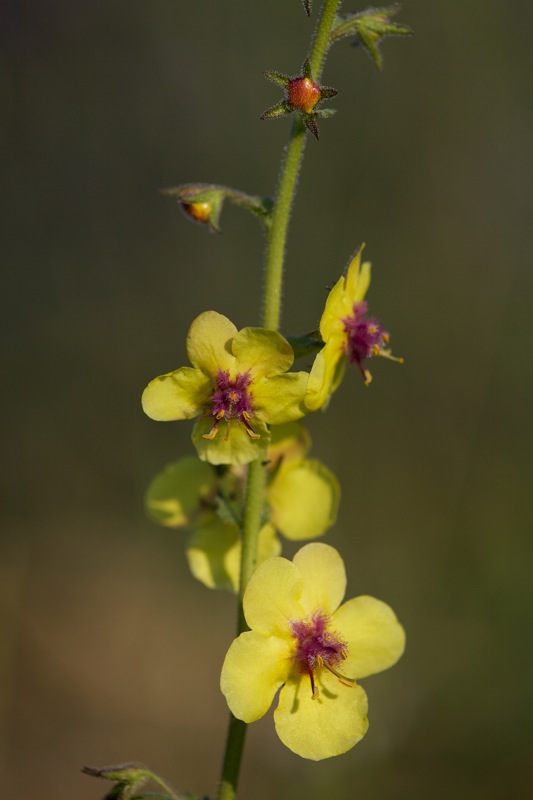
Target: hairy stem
288,179
274,263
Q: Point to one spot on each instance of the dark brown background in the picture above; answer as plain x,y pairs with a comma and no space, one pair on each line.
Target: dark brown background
110,650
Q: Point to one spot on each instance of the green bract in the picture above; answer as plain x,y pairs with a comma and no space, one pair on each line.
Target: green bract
237,385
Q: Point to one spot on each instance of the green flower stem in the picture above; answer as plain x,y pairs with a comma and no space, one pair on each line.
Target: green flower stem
274,262
290,167
160,782
232,759
253,518
253,513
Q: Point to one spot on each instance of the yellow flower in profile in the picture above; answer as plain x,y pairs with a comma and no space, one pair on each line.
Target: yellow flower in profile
302,640
348,334
238,385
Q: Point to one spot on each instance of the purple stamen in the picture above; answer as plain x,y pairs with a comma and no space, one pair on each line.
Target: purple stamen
366,335
317,647
231,399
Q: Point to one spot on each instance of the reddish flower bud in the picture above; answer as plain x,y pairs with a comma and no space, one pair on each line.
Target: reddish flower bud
303,94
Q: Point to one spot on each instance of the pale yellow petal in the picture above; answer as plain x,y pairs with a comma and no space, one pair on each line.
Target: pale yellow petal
272,597
290,441
357,279
262,352
326,374
254,668
182,394
304,499
209,343
281,398
214,554
324,577
324,727
334,310
232,443
174,495
375,638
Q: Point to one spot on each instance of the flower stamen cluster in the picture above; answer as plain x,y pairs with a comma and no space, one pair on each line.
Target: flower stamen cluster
318,647
232,400
366,338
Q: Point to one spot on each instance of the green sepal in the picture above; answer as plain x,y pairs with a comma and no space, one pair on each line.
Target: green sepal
306,345
277,77
307,6
325,113
279,110
326,92
306,69
310,124
187,194
130,778
369,27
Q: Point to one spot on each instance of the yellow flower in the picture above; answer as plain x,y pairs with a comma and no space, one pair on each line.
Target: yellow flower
238,385
347,333
302,500
214,552
302,493
303,641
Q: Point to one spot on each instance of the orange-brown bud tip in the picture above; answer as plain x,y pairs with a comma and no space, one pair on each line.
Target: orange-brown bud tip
303,94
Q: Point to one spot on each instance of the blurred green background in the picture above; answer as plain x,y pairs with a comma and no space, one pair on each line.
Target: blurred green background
109,650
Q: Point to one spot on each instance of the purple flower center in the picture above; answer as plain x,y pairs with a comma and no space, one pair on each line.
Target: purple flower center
318,647
366,336
231,399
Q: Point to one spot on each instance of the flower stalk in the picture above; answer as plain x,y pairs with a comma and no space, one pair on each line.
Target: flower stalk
274,264
288,179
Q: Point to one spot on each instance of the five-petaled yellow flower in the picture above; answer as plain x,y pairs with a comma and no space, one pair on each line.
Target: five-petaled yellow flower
305,642
238,384
348,335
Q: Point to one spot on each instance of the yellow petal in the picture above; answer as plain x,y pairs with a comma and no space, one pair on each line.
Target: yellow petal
232,443
272,597
357,279
324,577
209,343
254,668
304,499
281,398
214,552
181,394
375,638
263,352
327,726
326,373
336,309
175,493
288,441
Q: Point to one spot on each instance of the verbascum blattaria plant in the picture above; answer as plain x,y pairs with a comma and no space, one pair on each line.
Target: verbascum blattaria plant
249,483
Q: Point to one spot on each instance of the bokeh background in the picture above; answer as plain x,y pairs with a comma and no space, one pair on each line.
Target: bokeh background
109,650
